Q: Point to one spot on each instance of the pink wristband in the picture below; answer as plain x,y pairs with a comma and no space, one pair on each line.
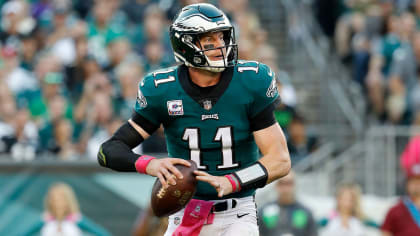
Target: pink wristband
142,163
234,182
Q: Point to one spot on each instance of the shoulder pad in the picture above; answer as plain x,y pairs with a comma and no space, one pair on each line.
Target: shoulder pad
257,76
154,82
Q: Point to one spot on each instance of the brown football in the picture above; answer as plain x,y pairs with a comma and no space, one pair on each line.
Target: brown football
172,199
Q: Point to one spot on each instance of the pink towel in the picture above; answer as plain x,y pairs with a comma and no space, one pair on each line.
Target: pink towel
196,214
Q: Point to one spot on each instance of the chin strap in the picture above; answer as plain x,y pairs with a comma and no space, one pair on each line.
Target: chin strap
207,68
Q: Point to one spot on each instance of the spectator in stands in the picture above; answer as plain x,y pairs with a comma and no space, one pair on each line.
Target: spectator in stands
25,136
37,101
18,134
8,111
405,54
60,40
403,218
46,63
414,99
387,45
62,215
29,51
375,86
135,9
403,71
414,90
15,22
286,216
98,116
85,67
300,144
56,130
106,25
348,26
16,78
119,51
63,134
97,84
155,56
154,30
348,219
128,74
396,102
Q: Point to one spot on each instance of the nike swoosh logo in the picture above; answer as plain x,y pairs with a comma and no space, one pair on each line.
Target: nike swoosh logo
240,216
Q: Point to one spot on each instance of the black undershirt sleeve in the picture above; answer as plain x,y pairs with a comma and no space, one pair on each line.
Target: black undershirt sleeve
263,119
116,153
145,124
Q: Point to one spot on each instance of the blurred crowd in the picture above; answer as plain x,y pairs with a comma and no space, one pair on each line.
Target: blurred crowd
379,40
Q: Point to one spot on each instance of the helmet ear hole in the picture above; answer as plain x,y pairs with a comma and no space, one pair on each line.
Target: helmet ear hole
188,38
197,60
227,37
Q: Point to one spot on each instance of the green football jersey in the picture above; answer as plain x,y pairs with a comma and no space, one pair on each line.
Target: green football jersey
210,126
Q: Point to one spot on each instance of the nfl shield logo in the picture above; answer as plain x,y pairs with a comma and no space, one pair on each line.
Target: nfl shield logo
207,104
175,108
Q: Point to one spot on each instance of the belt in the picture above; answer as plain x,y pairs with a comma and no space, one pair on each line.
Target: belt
223,206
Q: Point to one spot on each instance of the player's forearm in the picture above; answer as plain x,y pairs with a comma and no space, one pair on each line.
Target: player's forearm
273,145
269,168
277,164
116,153
274,164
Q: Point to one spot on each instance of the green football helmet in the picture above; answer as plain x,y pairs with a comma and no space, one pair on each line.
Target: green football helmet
194,20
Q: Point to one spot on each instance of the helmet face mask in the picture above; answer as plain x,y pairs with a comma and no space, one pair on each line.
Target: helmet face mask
191,23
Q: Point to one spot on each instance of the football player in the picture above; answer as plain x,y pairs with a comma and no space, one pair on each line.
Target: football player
217,111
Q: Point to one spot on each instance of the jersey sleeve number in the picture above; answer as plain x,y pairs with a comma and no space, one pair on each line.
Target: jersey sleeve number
224,135
245,68
164,80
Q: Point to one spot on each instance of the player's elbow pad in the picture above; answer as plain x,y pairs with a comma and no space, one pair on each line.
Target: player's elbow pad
116,153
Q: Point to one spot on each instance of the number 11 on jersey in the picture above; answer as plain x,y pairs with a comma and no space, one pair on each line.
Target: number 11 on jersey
223,135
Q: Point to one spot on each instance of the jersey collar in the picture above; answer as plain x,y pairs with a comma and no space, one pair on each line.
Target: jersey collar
202,95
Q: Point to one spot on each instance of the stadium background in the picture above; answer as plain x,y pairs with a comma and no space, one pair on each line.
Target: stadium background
68,71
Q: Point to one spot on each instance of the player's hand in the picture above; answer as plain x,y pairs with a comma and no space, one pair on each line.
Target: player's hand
220,183
165,170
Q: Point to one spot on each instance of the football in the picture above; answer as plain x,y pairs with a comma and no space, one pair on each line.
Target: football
166,201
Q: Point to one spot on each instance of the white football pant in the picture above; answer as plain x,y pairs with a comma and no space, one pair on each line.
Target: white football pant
238,221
